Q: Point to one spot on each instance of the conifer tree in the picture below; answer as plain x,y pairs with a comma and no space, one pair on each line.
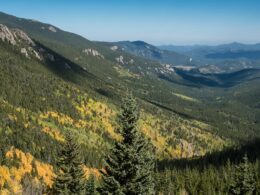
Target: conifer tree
70,175
90,188
129,167
243,182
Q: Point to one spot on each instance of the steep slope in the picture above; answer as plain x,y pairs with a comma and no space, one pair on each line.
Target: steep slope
108,71
69,97
44,94
112,70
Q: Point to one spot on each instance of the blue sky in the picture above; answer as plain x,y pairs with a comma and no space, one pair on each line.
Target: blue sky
155,21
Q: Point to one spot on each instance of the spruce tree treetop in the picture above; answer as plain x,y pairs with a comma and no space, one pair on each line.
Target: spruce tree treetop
128,120
243,182
70,177
129,166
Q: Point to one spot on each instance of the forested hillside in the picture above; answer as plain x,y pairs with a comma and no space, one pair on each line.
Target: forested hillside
54,83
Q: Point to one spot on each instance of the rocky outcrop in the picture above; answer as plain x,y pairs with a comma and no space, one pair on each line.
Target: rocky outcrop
24,52
114,48
21,35
120,59
166,68
37,55
92,52
52,29
7,35
131,61
23,42
14,36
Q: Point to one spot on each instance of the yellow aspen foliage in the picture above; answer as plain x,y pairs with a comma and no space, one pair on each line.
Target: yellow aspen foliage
45,172
16,187
91,171
5,176
54,133
147,124
99,116
26,165
5,192
80,124
62,119
100,120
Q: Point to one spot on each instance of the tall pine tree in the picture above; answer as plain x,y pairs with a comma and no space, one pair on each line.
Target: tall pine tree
70,175
130,165
243,182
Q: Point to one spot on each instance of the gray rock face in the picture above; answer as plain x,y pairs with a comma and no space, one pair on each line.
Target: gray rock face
21,35
52,29
24,52
131,61
6,34
37,55
114,48
23,42
92,52
14,35
120,59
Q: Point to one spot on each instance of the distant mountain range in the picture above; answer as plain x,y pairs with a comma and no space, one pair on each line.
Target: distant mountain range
225,58
148,51
209,59
232,47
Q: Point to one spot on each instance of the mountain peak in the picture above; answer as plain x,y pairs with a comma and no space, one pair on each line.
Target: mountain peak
139,43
